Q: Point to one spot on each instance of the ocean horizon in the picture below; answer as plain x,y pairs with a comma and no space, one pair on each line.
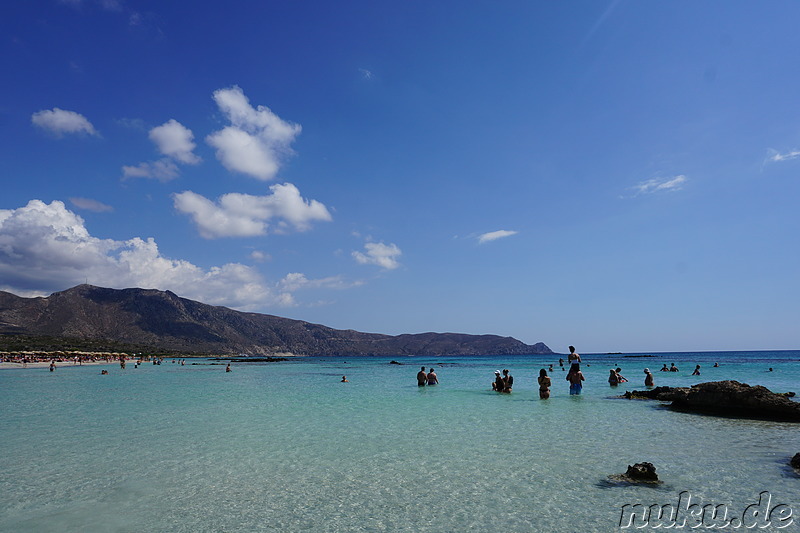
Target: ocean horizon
286,446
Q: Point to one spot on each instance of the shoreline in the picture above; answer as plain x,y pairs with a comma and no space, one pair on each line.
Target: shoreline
46,364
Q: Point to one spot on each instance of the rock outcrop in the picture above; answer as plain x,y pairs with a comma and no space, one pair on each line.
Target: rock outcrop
726,398
639,473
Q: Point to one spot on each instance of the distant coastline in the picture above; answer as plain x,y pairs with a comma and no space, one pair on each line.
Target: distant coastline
147,320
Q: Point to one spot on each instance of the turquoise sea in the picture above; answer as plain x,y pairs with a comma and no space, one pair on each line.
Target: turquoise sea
287,447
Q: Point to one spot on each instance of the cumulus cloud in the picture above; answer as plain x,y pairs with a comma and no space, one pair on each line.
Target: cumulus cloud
776,157
245,215
175,140
377,253
60,122
660,185
257,139
161,170
46,247
494,235
90,205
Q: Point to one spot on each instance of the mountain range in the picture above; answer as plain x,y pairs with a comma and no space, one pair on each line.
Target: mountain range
162,320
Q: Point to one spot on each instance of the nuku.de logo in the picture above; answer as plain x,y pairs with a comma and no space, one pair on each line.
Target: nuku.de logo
690,515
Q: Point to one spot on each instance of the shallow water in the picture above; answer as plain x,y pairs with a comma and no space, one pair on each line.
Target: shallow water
285,446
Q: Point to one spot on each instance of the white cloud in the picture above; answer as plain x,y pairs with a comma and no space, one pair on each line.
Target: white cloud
59,122
90,205
295,281
245,215
174,140
776,157
660,184
257,139
377,253
161,170
494,235
46,247
259,256
366,74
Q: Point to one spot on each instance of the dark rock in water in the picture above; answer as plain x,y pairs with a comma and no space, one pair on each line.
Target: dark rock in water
659,393
393,362
639,473
726,398
642,472
795,462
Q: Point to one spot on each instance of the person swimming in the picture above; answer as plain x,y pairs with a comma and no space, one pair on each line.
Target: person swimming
696,371
344,380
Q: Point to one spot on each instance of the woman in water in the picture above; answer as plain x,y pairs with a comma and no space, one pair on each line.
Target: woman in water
544,384
613,378
433,379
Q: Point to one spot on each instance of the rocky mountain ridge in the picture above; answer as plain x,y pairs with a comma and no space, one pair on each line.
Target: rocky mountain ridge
163,320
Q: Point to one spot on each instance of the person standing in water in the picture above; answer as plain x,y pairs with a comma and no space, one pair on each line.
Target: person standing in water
544,384
422,377
498,384
508,380
648,378
575,378
432,378
696,371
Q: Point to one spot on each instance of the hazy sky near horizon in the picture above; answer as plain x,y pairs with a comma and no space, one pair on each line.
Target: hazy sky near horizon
621,176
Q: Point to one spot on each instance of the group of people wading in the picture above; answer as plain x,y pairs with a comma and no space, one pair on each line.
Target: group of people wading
424,379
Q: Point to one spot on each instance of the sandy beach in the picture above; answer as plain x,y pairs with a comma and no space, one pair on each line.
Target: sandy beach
46,364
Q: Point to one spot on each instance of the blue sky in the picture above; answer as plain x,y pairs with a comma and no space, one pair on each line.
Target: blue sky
621,176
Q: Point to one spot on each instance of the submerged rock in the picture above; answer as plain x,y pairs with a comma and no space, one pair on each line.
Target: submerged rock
726,398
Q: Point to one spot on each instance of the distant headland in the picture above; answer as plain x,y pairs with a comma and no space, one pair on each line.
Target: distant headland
162,321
